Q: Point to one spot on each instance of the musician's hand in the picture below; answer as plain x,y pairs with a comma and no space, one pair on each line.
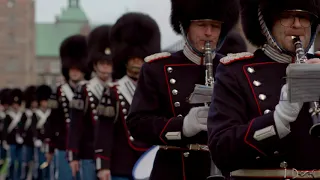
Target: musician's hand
19,139
5,145
104,174
313,61
75,167
49,157
285,113
195,121
38,143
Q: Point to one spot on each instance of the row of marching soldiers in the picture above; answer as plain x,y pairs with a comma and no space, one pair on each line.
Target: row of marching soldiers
23,115
79,130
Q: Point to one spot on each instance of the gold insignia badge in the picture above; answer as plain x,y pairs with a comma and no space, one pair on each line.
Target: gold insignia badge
16,99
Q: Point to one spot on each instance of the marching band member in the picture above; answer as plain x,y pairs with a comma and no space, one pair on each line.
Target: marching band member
113,142
11,135
254,130
4,106
31,104
39,118
73,55
160,113
84,113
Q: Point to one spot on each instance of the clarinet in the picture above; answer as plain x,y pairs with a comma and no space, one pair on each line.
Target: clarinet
314,109
215,173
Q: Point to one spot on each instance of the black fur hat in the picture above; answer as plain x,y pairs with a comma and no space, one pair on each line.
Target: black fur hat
5,96
74,53
30,95
133,35
43,92
183,11
270,9
99,45
234,43
16,96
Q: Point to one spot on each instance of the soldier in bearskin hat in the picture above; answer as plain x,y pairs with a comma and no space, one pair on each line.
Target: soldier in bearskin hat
31,104
40,117
255,130
4,106
161,113
88,96
129,50
12,140
234,43
112,137
73,55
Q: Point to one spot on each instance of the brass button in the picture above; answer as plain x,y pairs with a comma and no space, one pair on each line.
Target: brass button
262,97
256,83
175,92
250,70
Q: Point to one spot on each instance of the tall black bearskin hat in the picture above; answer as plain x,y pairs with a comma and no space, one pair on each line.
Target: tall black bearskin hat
30,95
5,96
43,93
74,54
133,35
16,96
99,45
234,43
184,11
271,9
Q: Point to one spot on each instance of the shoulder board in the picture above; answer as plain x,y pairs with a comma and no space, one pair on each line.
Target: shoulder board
317,53
230,58
157,56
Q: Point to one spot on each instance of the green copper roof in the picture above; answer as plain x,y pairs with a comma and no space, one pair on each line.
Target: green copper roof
73,14
50,36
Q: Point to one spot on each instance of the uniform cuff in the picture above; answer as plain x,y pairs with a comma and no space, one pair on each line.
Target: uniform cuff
262,135
102,162
72,156
172,131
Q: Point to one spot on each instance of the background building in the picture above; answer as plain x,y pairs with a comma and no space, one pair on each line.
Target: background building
29,51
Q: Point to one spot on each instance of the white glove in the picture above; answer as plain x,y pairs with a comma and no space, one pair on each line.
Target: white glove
285,113
195,121
37,143
5,145
19,139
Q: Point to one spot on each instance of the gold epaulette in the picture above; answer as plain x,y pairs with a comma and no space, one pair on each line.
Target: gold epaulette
230,58
157,56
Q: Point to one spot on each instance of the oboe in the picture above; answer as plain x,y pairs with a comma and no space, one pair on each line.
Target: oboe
314,109
215,173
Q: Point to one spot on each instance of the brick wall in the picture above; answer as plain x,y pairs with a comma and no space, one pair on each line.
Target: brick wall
17,47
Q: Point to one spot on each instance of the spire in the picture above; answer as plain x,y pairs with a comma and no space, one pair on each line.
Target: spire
73,3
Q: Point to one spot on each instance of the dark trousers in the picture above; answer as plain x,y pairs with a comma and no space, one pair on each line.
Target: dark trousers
41,173
88,169
15,161
27,159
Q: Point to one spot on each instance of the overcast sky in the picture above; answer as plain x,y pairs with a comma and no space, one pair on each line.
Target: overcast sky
108,11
